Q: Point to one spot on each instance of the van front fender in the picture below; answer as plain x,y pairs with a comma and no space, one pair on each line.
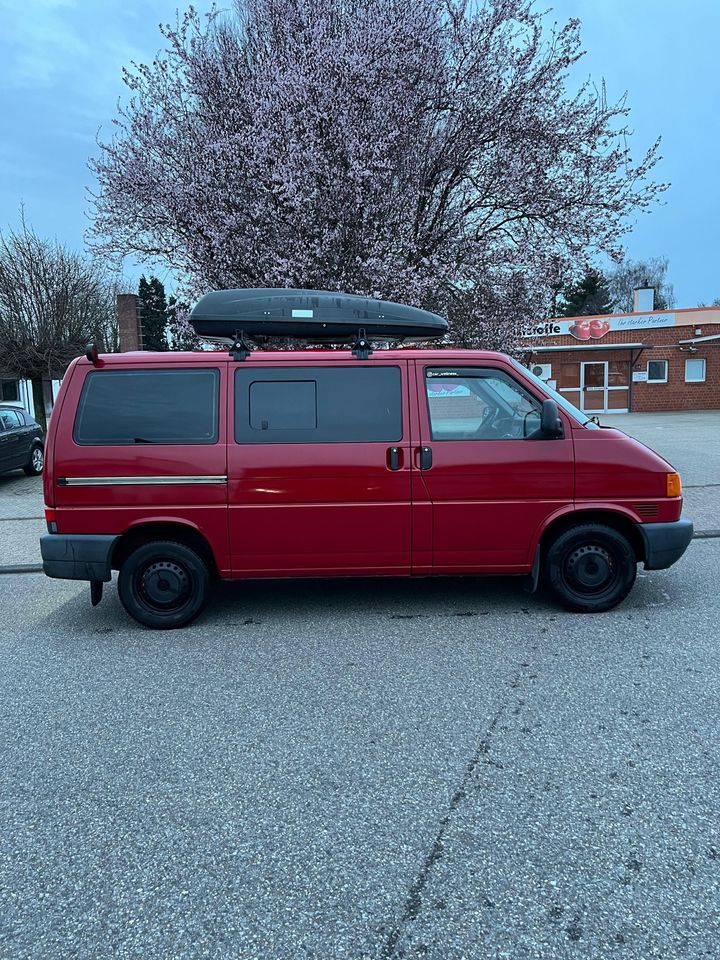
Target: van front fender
614,515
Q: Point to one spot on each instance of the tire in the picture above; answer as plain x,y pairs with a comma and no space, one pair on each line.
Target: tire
590,568
164,585
34,466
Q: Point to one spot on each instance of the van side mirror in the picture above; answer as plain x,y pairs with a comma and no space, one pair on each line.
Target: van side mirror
550,422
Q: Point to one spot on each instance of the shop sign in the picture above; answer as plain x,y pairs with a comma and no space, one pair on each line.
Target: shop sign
639,376
595,328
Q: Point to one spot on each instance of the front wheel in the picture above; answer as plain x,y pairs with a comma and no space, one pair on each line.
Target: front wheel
590,568
163,585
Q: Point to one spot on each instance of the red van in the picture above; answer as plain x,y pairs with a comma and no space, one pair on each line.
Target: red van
179,468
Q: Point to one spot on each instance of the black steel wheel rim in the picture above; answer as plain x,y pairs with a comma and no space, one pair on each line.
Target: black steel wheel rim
590,569
164,586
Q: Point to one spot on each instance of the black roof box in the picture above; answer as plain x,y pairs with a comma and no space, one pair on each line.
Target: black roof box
317,315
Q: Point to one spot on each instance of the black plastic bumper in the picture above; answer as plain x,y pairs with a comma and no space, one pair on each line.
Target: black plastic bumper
79,557
665,542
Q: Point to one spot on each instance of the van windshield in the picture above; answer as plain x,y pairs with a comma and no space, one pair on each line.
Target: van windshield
557,397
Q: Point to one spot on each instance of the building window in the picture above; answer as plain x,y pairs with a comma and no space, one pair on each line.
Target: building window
9,390
657,371
694,371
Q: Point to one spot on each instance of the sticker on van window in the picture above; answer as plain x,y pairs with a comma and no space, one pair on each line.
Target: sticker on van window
302,313
448,390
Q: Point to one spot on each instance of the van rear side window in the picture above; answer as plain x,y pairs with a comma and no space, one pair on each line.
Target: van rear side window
318,405
148,406
283,405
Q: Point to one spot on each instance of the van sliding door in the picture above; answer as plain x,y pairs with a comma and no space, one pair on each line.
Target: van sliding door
319,469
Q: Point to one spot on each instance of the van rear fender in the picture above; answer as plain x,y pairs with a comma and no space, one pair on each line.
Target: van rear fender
177,531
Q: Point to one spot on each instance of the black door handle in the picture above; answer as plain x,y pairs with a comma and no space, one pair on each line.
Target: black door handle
425,458
394,458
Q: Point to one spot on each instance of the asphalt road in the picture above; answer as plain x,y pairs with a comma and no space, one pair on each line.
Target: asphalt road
438,769
689,439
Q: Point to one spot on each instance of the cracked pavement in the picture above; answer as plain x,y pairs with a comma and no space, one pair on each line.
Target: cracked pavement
368,770
438,769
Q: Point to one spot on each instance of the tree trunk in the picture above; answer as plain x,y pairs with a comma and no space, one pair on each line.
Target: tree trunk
39,402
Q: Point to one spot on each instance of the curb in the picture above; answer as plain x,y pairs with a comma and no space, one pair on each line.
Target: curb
12,519
22,568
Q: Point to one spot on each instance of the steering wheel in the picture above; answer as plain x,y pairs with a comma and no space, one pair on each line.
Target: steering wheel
506,428
487,420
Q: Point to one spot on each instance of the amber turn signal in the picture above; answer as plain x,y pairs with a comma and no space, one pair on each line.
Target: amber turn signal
674,485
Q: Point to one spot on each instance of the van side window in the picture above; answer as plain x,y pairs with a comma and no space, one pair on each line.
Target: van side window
282,405
318,404
479,404
148,406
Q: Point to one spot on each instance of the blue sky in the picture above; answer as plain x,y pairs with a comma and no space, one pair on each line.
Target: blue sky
61,77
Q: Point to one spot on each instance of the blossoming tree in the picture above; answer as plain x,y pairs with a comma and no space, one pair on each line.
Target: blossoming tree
428,151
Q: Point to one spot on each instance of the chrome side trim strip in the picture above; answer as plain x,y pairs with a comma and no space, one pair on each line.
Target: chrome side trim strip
137,481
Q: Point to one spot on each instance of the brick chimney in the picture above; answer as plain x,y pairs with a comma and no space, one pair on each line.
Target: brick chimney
130,329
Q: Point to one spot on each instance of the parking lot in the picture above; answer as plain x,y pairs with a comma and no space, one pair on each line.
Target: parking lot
435,769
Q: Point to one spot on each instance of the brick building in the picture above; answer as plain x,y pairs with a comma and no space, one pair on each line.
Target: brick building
641,361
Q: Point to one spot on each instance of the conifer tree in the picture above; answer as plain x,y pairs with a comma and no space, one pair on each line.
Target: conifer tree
588,298
153,314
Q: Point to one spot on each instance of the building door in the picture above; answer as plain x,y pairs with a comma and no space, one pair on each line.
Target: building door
594,387
604,387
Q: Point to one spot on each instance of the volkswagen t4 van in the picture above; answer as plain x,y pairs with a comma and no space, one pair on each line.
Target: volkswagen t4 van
176,469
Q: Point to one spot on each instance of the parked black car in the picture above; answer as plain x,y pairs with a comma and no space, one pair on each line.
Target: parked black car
21,441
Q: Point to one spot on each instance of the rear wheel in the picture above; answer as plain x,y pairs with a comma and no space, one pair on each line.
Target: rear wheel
590,568
163,584
34,466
